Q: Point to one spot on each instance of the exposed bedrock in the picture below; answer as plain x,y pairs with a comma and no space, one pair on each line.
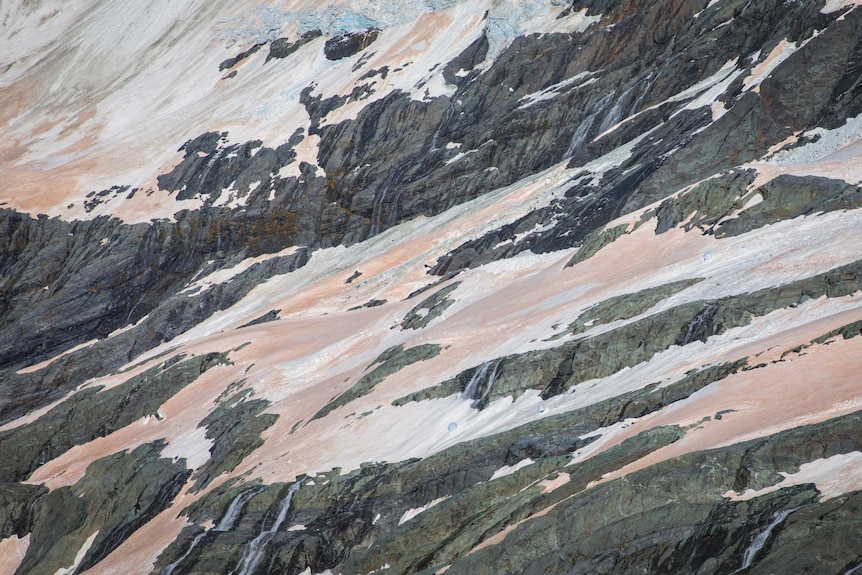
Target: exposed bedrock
63,285
119,494
673,517
95,412
560,466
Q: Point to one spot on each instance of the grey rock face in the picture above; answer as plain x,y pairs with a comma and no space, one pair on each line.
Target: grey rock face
389,362
403,173
670,518
283,47
429,308
119,494
234,428
349,44
530,497
94,412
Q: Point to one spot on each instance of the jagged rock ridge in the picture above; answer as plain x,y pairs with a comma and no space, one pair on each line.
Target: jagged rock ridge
406,287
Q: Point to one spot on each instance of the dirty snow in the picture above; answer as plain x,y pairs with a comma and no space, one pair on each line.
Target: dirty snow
833,476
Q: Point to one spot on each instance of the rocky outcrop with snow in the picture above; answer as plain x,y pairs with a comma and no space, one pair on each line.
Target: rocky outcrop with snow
414,287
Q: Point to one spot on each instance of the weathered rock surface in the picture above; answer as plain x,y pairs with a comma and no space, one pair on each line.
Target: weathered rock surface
94,412
119,495
605,253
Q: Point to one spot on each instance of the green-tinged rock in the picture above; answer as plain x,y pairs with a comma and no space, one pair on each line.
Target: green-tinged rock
672,517
557,370
706,204
235,428
118,495
390,361
445,389
625,306
453,527
787,197
16,500
596,241
94,412
430,308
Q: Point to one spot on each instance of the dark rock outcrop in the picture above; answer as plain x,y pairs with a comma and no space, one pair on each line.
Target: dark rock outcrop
349,44
119,494
283,47
389,362
85,298
94,412
234,428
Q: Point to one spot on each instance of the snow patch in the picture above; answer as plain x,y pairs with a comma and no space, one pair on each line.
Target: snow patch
836,5
510,469
554,90
833,476
193,445
761,71
752,201
712,88
411,513
459,156
226,274
12,552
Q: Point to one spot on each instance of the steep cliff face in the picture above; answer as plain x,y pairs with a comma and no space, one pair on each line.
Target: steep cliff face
413,287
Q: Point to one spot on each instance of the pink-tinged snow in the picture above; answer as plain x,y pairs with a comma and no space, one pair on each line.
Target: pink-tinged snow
224,275
517,301
47,362
765,401
552,91
818,384
98,94
833,476
828,144
12,551
138,366
761,71
849,171
180,418
138,554
836,5
319,350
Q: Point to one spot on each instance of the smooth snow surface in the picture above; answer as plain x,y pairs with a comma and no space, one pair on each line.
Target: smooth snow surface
12,551
192,445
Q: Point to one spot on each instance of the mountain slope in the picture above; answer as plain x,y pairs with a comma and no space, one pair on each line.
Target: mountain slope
503,287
